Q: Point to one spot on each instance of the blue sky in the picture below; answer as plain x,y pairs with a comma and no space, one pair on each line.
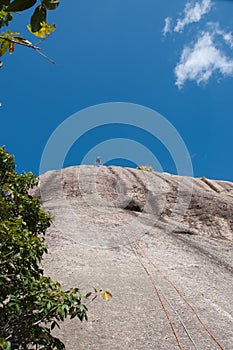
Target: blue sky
175,57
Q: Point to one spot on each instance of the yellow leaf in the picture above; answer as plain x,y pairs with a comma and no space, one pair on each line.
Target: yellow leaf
44,31
106,295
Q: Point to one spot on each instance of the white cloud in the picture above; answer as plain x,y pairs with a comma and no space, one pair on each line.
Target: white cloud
199,62
193,12
168,26
227,36
207,56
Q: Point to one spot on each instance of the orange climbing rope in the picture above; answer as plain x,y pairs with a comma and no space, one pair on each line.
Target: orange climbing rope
140,253
137,252
188,303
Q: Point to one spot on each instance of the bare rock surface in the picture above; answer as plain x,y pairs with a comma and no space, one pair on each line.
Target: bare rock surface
162,244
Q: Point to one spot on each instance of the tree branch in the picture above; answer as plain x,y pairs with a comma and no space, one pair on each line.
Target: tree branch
30,45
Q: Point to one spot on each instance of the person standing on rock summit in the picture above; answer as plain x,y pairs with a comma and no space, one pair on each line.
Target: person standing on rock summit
98,161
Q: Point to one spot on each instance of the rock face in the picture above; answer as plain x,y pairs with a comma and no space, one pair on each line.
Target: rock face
162,244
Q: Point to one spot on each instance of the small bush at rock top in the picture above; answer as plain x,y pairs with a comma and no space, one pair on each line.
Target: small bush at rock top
145,167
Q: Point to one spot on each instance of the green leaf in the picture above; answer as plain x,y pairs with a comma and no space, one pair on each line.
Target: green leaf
38,17
54,324
5,345
19,5
5,17
4,2
51,4
4,47
88,295
8,346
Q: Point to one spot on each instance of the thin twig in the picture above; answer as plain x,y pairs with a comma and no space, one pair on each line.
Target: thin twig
46,57
31,46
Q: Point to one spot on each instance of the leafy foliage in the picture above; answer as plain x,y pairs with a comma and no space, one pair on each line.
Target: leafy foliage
44,30
31,305
38,23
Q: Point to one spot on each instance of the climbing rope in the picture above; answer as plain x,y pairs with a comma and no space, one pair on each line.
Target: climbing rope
140,253
136,249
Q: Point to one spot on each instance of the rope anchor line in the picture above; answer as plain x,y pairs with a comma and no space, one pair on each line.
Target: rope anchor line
140,254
